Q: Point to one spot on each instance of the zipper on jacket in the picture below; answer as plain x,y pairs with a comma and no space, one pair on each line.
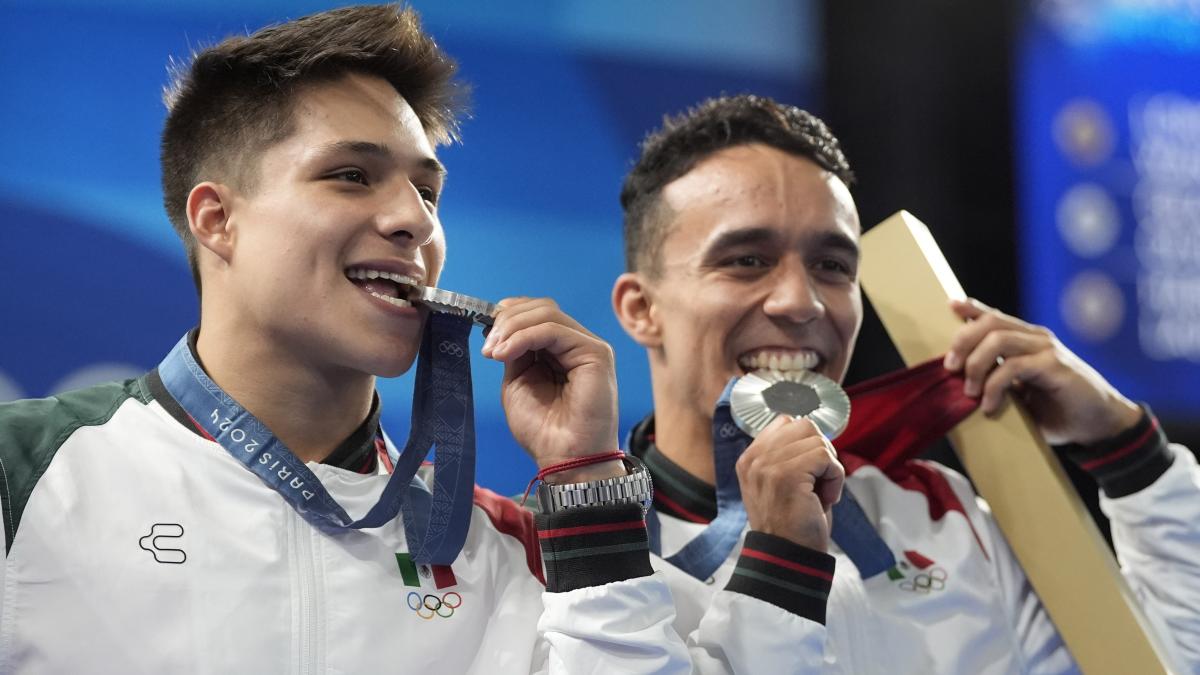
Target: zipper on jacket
308,635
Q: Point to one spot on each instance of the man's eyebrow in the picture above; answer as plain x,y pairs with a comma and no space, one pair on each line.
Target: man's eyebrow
741,237
837,240
380,151
765,236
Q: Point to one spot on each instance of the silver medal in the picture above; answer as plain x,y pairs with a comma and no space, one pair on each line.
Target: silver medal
761,396
481,312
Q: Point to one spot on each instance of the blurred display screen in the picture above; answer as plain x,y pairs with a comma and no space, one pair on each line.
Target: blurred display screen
1108,166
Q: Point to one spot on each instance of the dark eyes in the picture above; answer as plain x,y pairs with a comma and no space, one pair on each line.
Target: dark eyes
834,265
428,194
824,266
351,176
753,261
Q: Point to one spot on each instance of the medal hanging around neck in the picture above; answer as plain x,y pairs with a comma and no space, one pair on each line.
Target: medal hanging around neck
761,396
747,406
443,417
436,521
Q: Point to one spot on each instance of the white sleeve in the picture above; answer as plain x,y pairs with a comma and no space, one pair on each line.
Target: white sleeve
744,631
620,627
1156,533
742,634
626,627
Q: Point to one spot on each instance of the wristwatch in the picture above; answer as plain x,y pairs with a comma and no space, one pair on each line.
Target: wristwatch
633,488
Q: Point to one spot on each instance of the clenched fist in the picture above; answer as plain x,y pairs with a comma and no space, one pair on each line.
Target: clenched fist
790,479
560,386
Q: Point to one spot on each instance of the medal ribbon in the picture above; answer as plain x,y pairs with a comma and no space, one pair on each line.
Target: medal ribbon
896,416
701,556
435,524
893,419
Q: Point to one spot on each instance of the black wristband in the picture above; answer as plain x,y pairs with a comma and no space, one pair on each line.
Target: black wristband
593,546
1127,462
785,574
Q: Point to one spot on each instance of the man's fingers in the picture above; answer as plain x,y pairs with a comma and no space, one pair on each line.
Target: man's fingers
994,346
1026,369
968,309
519,314
569,347
982,320
796,446
815,467
785,429
829,489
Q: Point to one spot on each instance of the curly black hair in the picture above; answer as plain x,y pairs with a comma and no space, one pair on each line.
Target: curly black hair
686,139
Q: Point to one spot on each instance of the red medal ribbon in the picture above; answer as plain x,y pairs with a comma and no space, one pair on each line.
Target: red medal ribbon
896,416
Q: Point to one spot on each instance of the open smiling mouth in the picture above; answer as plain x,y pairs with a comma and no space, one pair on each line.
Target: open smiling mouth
396,289
780,360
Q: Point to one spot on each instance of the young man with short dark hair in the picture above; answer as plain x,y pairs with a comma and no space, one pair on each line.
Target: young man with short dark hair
742,255
232,510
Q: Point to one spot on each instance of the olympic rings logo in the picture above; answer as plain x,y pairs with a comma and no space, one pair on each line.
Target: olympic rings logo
429,605
727,430
448,347
927,582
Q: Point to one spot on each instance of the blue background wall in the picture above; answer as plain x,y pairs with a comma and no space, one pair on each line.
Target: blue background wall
93,282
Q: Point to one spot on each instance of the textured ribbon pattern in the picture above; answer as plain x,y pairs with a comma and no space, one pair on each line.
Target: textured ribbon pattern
442,417
701,556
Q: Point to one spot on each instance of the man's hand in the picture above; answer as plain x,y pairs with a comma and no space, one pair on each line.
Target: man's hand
790,479
1070,401
560,386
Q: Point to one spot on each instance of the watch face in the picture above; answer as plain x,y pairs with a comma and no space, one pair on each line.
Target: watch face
759,397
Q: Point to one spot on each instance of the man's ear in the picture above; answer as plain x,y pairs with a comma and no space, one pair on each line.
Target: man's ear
208,209
633,304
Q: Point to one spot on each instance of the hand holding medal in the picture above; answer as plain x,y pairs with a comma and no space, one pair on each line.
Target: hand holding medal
789,475
559,390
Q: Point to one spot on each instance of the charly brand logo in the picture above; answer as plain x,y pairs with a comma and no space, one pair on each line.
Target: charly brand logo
448,347
429,605
162,536
918,574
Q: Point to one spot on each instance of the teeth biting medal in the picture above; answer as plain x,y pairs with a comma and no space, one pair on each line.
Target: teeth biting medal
761,396
481,312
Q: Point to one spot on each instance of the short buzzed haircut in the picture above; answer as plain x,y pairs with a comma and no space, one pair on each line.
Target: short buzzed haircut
685,140
234,100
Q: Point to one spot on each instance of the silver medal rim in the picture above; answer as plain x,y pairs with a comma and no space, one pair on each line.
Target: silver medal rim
478,310
752,414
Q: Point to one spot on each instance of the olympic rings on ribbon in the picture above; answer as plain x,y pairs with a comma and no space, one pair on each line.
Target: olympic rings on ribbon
448,347
431,605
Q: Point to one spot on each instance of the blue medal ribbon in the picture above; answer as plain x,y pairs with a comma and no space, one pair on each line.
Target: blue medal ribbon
443,417
703,555
435,523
